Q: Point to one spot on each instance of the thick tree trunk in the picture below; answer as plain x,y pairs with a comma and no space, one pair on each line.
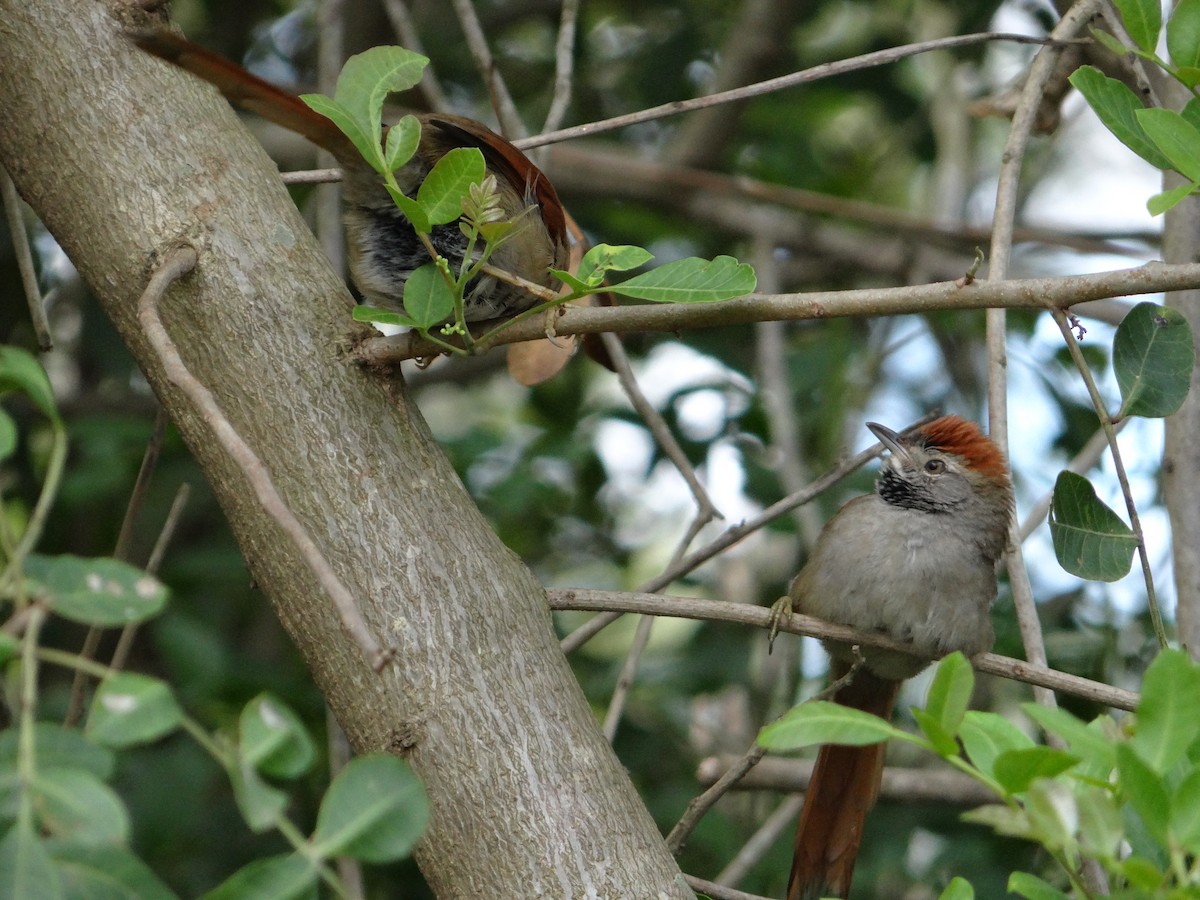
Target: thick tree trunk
122,156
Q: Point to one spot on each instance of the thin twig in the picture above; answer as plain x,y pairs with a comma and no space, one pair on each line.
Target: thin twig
657,426
1026,293
20,242
719,891
1004,221
502,102
564,65
763,839
129,632
175,264
760,617
703,803
816,73
406,29
1064,326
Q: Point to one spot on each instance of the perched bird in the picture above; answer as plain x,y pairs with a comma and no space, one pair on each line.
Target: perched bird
383,248
916,561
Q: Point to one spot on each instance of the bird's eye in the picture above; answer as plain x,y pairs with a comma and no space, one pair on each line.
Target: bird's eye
935,466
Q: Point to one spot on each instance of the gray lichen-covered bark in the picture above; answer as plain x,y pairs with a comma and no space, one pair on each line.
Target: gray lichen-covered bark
122,156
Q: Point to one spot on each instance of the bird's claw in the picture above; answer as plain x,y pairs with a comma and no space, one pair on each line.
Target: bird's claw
780,608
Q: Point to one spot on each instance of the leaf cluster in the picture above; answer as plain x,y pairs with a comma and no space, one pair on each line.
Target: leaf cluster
1126,794
64,832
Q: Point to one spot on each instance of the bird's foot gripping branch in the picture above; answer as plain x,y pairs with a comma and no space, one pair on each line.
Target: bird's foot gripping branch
461,186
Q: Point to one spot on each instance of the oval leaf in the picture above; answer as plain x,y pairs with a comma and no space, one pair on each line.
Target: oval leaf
1153,356
821,722
427,297
101,592
1183,36
105,873
449,182
374,811
1167,724
1090,540
20,371
1145,791
1016,769
1176,137
75,804
273,740
691,280
132,709
986,735
56,746
1033,888
1115,105
950,691
1143,20
1088,744
288,877
26,870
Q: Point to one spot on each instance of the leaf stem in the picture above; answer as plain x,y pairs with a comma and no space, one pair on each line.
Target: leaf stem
1064,325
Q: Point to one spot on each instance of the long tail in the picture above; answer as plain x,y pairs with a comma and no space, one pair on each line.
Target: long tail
245,90
843,788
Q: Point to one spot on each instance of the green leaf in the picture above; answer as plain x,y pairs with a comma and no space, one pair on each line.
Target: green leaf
101,592
1176,137
402,141
1145,791
1084,742
286,877
1116,107
1190,76
1016,769
1153,356
950,691
427,297
364,138
1033,888
1053,815
1184,821
56,746
272,739
986,735
260,804
822,722
413,211
8,436
577,286
605,258
448,183
1143,20
1166,200
691,280
1167,723
375,810
958,889
75,804
1090,540
1183,37
132,709
1142,873
381,316
942,740
1108,41
20,371
1100,828
26,870
105,873
1004,820
1191,111
10,648
357,104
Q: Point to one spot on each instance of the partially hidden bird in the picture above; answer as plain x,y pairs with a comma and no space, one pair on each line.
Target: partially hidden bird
383,249
916,561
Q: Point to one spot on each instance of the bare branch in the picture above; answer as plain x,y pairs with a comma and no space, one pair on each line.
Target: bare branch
1029,293
760,617
816,73
20,242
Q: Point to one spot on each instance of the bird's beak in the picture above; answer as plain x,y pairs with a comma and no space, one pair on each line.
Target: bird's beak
889,439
